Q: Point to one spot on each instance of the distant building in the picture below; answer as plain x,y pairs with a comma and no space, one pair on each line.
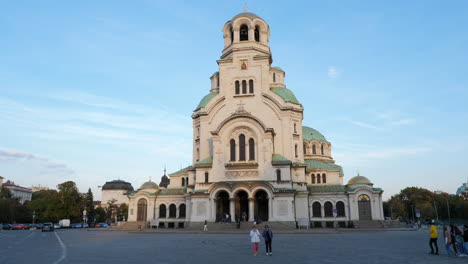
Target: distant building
115,191
24,194
39,188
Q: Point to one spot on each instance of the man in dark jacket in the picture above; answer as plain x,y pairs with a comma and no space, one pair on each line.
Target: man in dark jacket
268,236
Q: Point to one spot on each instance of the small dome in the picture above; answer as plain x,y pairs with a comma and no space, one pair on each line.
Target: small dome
117,185
359,180
246,14
149,185
309,134
165,181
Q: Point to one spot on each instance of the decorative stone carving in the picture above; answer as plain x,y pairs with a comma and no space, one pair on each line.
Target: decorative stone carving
241,174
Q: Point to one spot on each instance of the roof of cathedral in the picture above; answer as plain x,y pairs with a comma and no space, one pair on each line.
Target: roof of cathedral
286,94
205,162
328,188
246,14
184,170
277,68
309,134
149,185
359,180
320,165
277,159
117,185
204,101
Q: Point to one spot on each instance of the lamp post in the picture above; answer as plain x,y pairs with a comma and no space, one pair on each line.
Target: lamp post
448,210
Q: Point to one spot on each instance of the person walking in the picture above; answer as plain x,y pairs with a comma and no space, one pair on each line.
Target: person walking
448,241
268,236
453,241
205,226
254,239
433,239
459,242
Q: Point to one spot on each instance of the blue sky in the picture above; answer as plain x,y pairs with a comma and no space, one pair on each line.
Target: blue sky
99,90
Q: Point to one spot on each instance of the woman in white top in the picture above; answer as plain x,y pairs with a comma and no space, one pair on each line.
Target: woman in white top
255,239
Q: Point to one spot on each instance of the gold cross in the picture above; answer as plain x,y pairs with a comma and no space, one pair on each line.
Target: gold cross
246,7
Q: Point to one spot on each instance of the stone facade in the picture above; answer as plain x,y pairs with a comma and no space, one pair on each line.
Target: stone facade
252,156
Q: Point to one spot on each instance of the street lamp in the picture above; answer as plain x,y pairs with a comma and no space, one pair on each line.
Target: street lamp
412,211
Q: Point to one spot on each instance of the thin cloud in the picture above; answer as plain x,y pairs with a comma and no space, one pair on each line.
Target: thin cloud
402,122
333,72
362,124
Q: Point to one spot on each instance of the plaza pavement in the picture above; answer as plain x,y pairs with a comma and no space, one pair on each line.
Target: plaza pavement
83,246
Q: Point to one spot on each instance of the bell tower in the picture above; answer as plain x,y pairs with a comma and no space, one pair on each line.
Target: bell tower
246,32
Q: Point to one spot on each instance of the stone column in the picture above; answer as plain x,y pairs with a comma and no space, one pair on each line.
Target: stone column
232,208
213,209
251,209
251,34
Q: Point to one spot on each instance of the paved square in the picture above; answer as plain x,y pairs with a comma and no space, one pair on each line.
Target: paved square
82,246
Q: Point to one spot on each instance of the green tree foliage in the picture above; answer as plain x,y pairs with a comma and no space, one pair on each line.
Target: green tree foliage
11,211
47,206
100,215
430,204
71,201
89,200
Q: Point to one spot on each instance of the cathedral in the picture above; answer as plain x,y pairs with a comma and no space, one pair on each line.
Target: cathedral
253,159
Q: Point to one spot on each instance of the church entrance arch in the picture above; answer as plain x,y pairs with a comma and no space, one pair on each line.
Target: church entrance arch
242,206
141,210
364,207
261,205
222,205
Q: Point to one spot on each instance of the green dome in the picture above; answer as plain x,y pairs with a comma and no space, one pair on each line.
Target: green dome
359,180
205,100
149,185
309,134
286,94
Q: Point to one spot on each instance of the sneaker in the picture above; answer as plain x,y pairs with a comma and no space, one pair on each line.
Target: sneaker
268,254
255,254
271,253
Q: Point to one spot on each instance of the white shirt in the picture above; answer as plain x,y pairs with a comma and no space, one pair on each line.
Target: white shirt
255,236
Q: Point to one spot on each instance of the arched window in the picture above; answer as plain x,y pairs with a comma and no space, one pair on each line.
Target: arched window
186,181
314,151
274,77
233,149
257,34
305,148
313,178
244,87
198,154
232,35
278,175
162,211
206,177
340,210
242,147
172,211
295,128
317,209
251,86
237,87
295,151
182,208
318,178
251,149
183,181
321,149
328,209
244,33
324,178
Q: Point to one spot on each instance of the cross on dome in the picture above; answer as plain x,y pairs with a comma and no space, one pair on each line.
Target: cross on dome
246,7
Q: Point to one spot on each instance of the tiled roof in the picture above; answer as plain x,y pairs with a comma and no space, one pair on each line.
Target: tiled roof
319,165
277,159
205,162
204,101
184,170
277,68
309,134
286,94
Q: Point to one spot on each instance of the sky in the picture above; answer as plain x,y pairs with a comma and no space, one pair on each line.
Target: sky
93,91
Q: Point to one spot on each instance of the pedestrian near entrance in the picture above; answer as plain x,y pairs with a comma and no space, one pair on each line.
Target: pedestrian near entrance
255,239
268,236
448,241
205,226
433,239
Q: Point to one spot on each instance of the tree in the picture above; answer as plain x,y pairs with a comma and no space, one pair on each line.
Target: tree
71,201
89,204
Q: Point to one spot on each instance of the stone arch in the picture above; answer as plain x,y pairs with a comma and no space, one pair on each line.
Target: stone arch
162,211
242,21
172,211
142,209
182,210
328,209
316,209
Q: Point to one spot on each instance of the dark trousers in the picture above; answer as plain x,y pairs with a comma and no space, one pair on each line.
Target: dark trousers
434,241
268,246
